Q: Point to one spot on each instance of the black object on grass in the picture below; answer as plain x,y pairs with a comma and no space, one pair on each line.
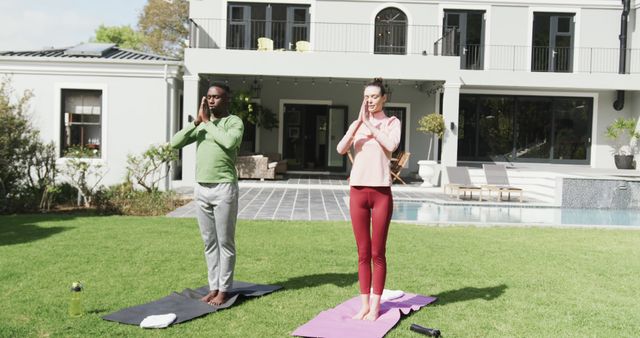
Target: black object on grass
425,330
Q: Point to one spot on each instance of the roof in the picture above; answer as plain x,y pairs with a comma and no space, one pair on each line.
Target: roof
91,51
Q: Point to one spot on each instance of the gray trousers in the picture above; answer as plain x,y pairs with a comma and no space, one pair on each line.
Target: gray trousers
217,212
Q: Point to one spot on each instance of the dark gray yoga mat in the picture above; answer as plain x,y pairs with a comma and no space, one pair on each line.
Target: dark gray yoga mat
187,304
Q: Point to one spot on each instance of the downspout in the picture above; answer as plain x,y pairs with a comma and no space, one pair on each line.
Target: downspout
618,104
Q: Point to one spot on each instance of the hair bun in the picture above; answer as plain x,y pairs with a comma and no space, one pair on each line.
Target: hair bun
377,80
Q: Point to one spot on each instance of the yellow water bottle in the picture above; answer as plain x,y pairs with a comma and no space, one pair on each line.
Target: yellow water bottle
75,303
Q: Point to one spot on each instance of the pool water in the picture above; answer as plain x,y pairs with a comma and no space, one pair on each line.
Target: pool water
429,212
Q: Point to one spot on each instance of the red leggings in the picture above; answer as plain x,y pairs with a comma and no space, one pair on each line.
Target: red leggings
371,207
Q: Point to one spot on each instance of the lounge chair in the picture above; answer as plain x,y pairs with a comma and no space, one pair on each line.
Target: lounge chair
498,181
460,181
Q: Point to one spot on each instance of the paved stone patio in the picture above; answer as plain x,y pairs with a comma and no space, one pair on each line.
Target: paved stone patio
300,198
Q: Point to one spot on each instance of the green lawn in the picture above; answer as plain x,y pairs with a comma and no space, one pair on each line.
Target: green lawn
491,281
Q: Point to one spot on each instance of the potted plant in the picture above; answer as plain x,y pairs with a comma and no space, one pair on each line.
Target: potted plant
433,126
623,132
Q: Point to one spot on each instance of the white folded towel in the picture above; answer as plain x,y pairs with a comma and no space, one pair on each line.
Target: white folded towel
158,321
390,294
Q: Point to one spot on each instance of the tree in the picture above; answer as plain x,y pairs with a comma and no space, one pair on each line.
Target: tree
123,36
165,26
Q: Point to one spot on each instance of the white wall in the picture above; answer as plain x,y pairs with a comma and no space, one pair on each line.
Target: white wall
340,94
136,110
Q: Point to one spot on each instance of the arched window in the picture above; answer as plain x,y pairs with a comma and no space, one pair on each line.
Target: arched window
390,32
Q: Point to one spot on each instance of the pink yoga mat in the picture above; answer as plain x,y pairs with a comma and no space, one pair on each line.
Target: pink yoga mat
337,322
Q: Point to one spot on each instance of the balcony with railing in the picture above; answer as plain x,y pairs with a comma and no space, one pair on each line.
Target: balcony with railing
402,39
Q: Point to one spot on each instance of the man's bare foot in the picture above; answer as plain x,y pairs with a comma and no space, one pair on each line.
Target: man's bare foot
361,314
219,299
209,296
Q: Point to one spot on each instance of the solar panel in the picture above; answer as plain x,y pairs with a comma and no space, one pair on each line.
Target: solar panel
90,49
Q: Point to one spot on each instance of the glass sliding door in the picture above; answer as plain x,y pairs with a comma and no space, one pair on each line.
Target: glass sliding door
239,27
525,128
311,134
282,23
552,43
533,128
467,28
297,25
495,127
572,132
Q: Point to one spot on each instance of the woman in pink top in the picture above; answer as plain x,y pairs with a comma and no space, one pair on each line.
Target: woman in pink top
374,137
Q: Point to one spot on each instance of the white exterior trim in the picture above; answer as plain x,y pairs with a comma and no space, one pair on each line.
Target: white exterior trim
407,124
104,118
527,92
281,115
576,32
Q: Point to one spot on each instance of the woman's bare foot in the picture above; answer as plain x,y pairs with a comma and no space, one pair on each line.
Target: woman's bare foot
219,299
209,296
361,314
375,308
364,308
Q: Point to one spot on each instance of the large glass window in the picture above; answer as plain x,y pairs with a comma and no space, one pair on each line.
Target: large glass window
81,122
524,128
390,32
283,23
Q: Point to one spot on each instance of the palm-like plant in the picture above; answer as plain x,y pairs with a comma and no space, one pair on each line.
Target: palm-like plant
623,132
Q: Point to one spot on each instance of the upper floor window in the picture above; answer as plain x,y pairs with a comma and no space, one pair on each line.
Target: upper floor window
463,35
552,47
284,24
390,32
81,122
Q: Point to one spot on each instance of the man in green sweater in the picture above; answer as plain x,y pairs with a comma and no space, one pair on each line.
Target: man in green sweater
218,135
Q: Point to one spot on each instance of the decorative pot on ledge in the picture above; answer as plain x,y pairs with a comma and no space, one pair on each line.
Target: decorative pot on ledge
623,161
426,171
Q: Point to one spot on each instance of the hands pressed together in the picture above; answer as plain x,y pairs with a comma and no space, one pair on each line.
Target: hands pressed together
203,114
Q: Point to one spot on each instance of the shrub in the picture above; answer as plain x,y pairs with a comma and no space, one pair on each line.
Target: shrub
147,169
122,199
27,165
83,174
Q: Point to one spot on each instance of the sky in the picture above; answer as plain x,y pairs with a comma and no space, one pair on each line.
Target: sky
38,24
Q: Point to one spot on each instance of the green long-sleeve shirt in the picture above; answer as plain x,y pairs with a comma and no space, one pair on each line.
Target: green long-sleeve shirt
216,148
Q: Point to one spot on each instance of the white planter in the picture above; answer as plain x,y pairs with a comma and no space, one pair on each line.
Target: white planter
426,171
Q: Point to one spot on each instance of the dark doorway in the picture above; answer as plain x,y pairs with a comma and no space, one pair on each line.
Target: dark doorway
310,135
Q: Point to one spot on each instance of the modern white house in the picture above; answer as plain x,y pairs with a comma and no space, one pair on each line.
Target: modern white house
98,96
532,81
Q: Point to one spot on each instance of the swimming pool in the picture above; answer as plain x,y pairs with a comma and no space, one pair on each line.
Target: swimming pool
434,213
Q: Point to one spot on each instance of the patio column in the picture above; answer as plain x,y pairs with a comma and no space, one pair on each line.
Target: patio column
190,108
450,112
